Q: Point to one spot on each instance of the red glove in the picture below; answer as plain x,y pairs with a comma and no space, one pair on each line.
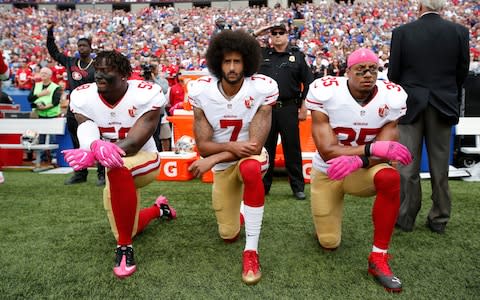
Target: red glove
340,167
79,159
108,154
392,151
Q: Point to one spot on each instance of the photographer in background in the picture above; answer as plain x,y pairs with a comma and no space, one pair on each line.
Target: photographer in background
220,24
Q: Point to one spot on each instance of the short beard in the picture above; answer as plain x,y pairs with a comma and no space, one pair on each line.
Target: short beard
233,82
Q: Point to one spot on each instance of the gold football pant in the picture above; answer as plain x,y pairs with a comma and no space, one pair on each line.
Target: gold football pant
327,201
227,193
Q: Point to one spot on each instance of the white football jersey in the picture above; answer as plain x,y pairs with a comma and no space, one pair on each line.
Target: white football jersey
352,123
114,122
230,119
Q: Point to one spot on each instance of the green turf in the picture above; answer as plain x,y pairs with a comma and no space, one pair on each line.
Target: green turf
56,243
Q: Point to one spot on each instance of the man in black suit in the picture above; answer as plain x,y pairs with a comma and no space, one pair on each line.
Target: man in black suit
429,58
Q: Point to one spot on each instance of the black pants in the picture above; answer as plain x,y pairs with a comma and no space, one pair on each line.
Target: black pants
285,122
72,126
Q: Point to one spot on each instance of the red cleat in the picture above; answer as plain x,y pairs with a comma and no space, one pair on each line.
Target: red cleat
378,267
251,267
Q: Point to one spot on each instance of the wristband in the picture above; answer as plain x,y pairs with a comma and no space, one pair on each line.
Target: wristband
365,161
367,149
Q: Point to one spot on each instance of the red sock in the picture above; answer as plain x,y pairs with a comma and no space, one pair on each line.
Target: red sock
123,198
253,193
386,206
146,216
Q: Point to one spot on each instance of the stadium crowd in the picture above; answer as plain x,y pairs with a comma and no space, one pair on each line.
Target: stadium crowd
178,38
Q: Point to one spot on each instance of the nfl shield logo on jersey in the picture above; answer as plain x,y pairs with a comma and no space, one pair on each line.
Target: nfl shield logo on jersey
132,111
383,111
249,102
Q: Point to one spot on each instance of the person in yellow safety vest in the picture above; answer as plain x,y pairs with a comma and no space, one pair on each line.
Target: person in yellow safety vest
45,95
45,100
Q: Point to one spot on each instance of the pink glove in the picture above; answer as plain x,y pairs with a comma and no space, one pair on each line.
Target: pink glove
179,105
108,154
340,167
391,150
79,159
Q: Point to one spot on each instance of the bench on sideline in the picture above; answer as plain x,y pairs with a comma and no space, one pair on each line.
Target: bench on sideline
54,126
469,126
41,126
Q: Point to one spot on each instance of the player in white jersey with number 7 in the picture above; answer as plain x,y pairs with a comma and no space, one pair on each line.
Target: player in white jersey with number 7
117,118
354,126
232,118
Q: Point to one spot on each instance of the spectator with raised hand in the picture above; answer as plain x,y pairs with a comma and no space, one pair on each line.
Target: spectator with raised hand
80,70
354,126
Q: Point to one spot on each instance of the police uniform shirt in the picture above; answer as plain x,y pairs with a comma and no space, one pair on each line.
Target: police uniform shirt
289,69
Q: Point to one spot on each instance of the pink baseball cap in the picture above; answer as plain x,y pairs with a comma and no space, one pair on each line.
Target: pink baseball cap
360,56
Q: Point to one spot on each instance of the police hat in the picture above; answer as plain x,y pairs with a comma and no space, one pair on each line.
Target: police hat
278,26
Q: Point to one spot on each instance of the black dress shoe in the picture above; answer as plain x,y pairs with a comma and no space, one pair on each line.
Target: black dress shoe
402,228
436,227
299,195
78,177
101,180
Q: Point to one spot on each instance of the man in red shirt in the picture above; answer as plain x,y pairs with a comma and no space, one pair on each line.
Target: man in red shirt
24,76
177,93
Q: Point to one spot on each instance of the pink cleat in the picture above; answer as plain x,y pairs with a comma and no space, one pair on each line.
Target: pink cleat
166,210
124,262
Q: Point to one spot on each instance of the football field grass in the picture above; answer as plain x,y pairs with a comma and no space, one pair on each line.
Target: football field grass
56,243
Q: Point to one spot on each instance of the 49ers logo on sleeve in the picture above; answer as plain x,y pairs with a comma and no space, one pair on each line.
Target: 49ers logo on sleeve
77,76
249,102
383,111
132,111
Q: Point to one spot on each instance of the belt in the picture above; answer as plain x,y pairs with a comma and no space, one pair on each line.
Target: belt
280,104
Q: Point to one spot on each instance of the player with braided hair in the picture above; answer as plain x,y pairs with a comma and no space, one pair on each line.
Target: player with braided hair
117,118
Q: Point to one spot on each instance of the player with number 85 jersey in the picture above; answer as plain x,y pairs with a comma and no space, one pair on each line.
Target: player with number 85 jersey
353,123
354,126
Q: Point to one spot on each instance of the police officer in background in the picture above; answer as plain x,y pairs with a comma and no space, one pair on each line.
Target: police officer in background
286,64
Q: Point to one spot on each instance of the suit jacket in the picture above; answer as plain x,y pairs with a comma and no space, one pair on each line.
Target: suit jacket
430,58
